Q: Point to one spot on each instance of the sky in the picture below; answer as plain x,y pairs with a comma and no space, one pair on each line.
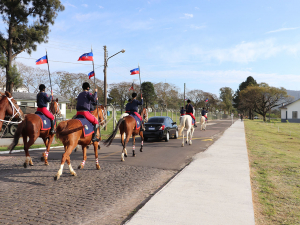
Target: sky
207,44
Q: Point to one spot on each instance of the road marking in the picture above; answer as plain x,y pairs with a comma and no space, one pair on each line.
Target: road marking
110,154
203,139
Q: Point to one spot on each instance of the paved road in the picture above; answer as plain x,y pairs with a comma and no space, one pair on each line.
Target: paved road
108,196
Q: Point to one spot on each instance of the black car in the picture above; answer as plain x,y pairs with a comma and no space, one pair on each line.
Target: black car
160,127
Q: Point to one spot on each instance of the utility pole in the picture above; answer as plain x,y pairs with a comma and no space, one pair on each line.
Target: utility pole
104,70
184,96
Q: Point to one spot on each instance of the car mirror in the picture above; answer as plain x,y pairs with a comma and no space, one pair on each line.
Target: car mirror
173,123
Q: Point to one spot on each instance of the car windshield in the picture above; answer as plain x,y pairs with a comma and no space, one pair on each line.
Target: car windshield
156,120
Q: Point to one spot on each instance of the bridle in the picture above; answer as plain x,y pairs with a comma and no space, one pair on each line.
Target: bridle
15,110
57,111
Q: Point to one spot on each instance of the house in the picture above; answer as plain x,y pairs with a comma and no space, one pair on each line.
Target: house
290,112
29,99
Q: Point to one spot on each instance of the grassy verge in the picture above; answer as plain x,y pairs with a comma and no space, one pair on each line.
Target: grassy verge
274,156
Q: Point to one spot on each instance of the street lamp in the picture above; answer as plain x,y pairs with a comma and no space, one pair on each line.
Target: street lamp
104,70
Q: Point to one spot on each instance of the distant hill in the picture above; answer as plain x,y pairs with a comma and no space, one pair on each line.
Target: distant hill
295,94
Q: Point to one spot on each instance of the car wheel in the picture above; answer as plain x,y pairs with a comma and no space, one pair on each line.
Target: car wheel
176,134
167,137
13,129
145,139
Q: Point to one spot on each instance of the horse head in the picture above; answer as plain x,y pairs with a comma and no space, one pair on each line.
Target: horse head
14,110
144,114
54,107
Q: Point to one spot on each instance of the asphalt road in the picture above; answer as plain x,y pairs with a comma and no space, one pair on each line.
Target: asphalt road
107,196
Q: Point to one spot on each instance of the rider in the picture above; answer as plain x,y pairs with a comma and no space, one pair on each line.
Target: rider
84,101
203,113
42,99
189,110
182,111
127,107
133,107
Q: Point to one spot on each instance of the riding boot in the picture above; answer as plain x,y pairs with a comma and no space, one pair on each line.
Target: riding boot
52,131
195,125
94,137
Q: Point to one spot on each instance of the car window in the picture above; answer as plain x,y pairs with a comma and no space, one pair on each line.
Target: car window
156,120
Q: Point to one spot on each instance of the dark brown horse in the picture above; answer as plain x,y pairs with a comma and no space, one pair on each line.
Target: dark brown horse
8,106
31,127
70,133
127,126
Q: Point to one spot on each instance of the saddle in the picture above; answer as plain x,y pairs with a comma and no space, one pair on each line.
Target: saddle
46,122
138,122
88,126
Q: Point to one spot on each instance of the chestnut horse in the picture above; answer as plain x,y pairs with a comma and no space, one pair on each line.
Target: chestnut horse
31,127
127,126
8,106
70,133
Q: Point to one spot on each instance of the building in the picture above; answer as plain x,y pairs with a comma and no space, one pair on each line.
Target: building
29,99
290,112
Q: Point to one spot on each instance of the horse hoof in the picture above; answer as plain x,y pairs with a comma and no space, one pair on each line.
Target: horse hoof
133,155
74,174
46,164
56,177
97,166
141,150
125,155
80,167
25,165
182,145
30,164
42,158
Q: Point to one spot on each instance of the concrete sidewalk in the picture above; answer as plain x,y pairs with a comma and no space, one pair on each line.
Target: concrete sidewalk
214,189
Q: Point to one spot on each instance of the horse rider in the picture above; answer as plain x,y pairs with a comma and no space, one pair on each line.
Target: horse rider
83,107
127,107
189,110
132,107
182,111
42,99
203,113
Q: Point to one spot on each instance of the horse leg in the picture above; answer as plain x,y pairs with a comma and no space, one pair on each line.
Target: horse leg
182,139
81,166
47,142
65,156
31,141
124,151
96,154
190,133
73,173
142,141
133,145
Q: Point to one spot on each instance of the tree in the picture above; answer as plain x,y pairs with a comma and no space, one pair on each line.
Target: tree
167,95
226,95
262,98
27,23
149,95
119,93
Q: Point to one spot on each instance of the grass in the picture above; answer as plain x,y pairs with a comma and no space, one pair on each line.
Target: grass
274,156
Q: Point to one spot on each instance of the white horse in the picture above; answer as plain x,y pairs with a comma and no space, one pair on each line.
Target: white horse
203,122
186,122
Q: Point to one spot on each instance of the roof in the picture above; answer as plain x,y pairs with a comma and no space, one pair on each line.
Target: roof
285,106
32,97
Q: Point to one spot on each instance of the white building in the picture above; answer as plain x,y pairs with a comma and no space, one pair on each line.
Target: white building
29,99
291,112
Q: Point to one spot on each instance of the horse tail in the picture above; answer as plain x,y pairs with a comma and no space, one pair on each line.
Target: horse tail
62,129
182,123
113,134
17,135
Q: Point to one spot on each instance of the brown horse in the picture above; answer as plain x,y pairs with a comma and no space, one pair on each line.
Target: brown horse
70,133
127,126
31,127
8,106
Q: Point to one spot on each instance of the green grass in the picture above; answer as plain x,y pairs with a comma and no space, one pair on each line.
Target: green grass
275,170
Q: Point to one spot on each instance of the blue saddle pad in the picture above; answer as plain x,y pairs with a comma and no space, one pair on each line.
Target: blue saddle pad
193,121
46,122
137,120
88,126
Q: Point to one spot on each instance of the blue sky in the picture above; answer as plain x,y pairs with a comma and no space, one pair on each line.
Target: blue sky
207,44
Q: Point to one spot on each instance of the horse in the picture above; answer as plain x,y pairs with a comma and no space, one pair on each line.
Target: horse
127,126
70,133
8,106
31,127
186,122
203,122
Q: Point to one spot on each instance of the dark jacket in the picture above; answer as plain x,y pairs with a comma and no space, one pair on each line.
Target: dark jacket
42,98
84,101
203,112
133,105
189,108
182,111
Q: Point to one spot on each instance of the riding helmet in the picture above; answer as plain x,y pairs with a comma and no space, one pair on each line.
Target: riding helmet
188,101
134,95
86,86
42,87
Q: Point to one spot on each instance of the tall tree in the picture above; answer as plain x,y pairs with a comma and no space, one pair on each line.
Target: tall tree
149,95
226,95
27,24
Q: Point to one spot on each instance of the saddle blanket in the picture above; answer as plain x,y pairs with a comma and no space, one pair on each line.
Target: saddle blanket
88,126
46,122
137,121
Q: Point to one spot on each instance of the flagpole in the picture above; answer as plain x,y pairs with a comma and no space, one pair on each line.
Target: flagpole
49,72
97,93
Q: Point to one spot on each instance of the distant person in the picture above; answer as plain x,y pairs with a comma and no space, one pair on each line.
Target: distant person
189,111
242,117
203,113
182,111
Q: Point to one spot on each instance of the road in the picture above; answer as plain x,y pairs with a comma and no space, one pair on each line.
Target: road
108,196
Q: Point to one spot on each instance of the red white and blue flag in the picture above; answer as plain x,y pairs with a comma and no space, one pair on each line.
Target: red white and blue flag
206,100
131,88
91,74
86,57
42,60
135,71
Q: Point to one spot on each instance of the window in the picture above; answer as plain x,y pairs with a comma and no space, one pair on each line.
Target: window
294,114
23,103
31,104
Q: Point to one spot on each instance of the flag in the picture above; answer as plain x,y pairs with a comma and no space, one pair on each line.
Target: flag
86,57
185,99
206,100
91,74
131,88
42,60
135,71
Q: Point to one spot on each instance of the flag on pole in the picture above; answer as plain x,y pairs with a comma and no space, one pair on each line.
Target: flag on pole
206,100
135,71
91,74
86,57
131,88
42,60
